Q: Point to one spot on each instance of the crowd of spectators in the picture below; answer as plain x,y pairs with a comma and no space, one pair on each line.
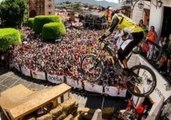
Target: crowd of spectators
55,58
157,50
60,58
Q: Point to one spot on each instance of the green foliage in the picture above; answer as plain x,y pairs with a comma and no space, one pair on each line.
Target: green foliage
52,31
12,12
30,22
26,12
8,37
39,21
22,34
76,7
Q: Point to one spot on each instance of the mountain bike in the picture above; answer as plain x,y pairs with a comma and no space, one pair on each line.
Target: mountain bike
141,83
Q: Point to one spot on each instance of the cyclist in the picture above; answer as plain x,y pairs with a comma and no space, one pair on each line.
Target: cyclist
131,28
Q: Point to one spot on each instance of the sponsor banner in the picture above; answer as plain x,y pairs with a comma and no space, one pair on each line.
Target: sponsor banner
91,87
38,75
74,83
55,78
25,71
16,66
114,91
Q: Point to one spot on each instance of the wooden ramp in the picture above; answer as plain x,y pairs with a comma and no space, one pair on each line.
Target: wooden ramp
19,101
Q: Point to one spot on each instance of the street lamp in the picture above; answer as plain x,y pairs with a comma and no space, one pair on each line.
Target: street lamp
159,3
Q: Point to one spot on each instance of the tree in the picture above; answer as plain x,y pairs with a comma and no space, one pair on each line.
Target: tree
77,7
12,12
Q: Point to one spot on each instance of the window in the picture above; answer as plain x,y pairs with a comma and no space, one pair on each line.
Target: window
49,5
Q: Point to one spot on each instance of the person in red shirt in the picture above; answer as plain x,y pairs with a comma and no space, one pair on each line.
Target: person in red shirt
140,110
152,35
151,38
130,104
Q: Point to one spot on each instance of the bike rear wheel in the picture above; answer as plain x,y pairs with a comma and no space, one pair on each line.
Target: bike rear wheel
92,67
142,82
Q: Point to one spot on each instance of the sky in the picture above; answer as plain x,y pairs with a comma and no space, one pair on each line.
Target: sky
115,1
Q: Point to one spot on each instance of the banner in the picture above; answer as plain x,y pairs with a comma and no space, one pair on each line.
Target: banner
55,79
38,75
25,71
114,91
91,87
74,83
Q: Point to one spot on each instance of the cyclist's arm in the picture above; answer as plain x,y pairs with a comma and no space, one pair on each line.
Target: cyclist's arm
112,27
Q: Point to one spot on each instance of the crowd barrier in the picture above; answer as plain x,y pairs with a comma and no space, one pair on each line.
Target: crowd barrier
85,85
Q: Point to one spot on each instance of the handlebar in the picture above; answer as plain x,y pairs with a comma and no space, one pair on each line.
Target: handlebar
106,42
107,46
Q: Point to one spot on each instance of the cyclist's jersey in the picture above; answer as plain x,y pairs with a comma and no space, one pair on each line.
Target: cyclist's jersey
124,23
127,24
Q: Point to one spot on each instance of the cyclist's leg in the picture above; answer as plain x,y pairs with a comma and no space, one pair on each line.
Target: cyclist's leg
137,37
122,58
122,53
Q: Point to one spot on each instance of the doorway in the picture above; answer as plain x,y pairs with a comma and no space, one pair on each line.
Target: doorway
166,29
146,16
32,13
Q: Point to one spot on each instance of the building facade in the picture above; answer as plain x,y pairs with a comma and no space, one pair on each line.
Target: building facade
41,7
153,14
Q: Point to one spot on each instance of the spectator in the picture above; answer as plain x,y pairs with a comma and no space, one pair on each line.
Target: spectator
151,38
130,104
141,24
151,35
162,63
169,55
140,110
162,43
144,48
108,14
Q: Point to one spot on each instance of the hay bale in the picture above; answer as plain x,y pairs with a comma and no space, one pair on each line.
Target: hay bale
77,117
62,116
69,117
32,118
70,105
88,115
47,116
56,112
83,110
107,112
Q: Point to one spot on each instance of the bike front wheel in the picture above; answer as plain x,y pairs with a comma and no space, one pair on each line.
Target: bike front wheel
92,67
142,82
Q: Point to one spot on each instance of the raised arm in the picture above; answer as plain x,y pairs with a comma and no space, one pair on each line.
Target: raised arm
114,24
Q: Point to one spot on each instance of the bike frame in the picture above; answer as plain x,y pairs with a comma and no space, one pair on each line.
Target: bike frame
112,53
